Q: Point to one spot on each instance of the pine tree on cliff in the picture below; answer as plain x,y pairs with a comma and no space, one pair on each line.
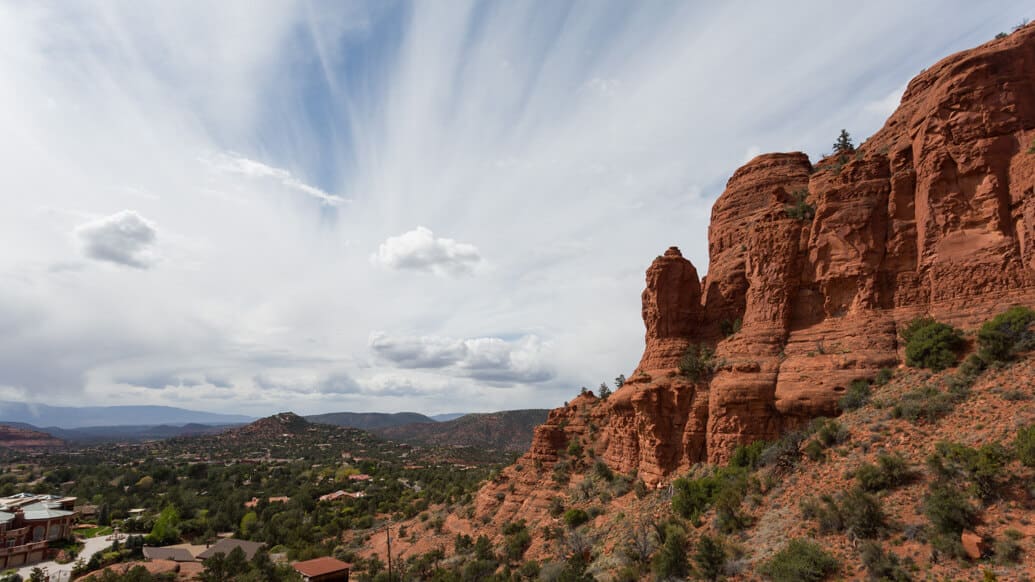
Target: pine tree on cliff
844,143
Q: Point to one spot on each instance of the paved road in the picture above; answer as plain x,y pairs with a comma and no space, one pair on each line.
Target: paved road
63,572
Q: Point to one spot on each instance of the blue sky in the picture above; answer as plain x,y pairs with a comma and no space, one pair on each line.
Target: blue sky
436,206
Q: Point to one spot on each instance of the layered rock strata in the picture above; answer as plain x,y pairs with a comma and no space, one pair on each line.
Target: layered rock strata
933,215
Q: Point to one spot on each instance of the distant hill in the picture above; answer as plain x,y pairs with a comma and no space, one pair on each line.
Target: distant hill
100,434
448,416
110,416
509,430
273,426
369,420
23,437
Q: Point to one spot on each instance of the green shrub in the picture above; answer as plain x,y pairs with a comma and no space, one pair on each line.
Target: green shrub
931,344
516,539
799,208
604,472
830,432
854,511
881,565
729,327
948,510
671,560
891,471
800,561
692,497
556,506
747,456
783,454
698,362
1006,549
883,376
575,517
710,557
928,403
983,467
1008,333
1024,446
857,395
827,434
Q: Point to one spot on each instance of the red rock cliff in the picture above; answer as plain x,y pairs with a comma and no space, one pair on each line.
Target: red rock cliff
934,214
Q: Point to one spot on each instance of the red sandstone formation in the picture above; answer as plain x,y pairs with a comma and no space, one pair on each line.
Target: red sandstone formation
12,437
934,214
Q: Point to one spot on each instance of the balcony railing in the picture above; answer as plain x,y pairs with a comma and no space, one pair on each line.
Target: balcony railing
24,548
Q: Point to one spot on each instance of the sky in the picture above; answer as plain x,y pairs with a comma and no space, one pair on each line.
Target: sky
261,205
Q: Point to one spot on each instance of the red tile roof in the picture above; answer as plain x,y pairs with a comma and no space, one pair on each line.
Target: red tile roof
321,567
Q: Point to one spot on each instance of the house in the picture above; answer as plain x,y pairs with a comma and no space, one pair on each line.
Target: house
323,570
255,501
227,545
28,522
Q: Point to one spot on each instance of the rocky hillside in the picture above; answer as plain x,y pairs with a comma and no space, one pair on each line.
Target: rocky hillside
24,438
814,268
279,425
816,271
369,420
508,430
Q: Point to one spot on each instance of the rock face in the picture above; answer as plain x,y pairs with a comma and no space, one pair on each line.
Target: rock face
18,438
933,215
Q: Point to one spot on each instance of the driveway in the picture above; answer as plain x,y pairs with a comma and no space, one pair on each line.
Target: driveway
63,572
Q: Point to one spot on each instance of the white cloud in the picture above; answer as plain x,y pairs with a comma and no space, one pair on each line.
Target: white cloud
237,164
488,359
420,250
124,238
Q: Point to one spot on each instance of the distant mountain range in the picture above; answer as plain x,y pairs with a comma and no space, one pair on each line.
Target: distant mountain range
72,417
369,420
97,434
448,416
509,430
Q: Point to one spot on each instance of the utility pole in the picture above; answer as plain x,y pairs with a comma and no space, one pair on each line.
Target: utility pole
388,536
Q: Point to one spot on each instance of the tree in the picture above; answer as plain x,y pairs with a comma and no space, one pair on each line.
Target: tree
605,391
671,560
710,557
37,575
619,381
165,530
843,145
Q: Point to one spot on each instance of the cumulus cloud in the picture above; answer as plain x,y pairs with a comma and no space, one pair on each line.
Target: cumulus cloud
124,238
489,359
420,250
234,163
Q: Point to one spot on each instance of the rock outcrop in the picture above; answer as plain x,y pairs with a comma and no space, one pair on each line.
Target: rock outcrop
933,215
18,438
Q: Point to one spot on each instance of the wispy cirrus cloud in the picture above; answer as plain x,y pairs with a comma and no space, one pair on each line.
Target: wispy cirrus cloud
554,147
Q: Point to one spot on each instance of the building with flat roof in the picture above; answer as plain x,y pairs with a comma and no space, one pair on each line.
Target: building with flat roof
29,522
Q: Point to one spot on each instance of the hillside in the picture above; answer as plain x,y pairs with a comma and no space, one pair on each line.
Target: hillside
369,420
509,430
25,438
820,275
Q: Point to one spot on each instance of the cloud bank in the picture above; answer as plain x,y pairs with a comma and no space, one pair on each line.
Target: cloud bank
277,158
